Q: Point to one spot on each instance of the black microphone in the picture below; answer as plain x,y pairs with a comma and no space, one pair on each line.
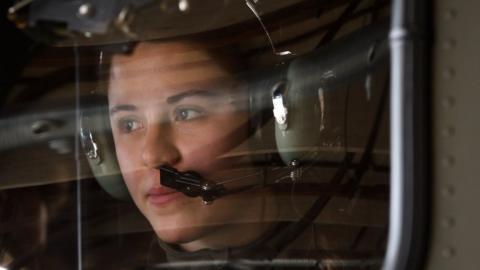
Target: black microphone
191,184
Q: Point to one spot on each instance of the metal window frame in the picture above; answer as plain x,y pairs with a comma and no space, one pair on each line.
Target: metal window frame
409,129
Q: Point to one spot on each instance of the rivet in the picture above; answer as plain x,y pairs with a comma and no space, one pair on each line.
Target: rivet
448,191
448,73
86,10
448,132
448,252
448,222
449,44
448,161
450,14
448,102
183,5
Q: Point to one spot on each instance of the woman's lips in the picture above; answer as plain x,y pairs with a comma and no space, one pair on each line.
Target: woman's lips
160,196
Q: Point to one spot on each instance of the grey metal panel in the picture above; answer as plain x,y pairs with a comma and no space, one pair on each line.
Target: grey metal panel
456,132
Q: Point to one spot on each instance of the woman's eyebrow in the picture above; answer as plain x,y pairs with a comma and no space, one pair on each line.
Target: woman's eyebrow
122,107
192,93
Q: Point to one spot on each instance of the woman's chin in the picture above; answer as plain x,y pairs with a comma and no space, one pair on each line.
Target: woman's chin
178,235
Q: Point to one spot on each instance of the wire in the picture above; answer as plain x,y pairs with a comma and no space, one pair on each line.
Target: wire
342,19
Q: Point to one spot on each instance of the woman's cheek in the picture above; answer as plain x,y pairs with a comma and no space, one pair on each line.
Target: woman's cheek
134,186
129,167
128,156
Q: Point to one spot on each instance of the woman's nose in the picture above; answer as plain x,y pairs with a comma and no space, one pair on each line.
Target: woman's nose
159,147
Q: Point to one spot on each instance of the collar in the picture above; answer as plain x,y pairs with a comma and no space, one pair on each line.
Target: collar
265,247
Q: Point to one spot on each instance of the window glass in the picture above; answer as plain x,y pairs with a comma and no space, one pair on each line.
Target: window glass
194,135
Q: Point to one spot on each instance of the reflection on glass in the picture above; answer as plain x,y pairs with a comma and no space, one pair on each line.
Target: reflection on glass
183,162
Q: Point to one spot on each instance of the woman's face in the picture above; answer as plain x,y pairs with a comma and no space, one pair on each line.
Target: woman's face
174,104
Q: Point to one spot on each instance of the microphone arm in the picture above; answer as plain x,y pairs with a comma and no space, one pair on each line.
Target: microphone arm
191,184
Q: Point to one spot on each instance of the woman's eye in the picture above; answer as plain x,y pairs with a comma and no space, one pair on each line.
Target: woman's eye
129,125
186,114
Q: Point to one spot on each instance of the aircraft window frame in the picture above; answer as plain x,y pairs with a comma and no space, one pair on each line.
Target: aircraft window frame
404,214
409,129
